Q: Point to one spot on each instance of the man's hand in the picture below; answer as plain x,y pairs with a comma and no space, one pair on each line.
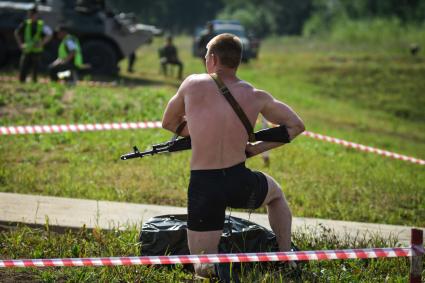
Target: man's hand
57,62
252,149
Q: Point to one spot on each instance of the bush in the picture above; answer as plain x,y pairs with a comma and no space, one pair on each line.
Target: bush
377,31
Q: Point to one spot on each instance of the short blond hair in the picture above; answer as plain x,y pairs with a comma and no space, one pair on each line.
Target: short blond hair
228,48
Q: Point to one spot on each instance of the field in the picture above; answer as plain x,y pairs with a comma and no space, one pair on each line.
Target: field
365,94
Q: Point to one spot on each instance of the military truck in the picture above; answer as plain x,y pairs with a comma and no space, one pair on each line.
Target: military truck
250,44
106,37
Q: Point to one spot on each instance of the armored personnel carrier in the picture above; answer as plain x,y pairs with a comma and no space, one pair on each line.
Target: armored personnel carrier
106,37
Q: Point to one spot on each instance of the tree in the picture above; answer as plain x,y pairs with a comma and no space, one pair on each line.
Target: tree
172,15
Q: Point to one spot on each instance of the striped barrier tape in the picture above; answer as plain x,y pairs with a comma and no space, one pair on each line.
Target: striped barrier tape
216,258
48,129
364,148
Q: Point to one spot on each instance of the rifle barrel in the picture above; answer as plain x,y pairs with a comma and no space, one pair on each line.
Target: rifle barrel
130,155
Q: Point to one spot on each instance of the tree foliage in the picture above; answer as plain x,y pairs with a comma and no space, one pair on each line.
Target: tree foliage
328,14
269,16
265,17
174,16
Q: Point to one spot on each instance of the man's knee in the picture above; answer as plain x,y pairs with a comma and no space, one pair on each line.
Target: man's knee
274,190
277,195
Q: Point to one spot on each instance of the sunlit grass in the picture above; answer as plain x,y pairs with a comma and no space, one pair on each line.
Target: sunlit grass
24,242
366,95
337,92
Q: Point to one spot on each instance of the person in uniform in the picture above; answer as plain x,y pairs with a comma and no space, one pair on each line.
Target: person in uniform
168,55
206,36
31,36
131,60
70,58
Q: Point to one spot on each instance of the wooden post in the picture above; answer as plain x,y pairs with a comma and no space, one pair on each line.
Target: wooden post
417,242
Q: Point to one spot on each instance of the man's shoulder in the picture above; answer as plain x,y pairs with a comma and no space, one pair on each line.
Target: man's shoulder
251,88
204,33
261,94
199,78
195,82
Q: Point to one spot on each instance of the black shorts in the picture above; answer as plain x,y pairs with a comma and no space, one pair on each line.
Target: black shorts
211,191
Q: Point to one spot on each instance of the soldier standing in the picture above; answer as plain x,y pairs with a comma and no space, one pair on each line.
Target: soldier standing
31,35
206,36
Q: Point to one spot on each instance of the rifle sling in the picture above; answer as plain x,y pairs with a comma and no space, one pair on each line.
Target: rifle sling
235,105
178,131
180,128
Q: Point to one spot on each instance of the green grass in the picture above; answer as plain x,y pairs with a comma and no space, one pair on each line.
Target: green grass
358,93
363,96
24,242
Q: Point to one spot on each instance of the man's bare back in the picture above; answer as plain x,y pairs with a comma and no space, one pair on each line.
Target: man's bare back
218,136
219,139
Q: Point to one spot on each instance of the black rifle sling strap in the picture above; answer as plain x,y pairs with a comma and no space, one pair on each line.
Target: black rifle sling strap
180,127
235,105
178,131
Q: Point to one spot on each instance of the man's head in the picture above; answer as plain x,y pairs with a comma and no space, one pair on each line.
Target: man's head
224,50
169,40
61,31
33,13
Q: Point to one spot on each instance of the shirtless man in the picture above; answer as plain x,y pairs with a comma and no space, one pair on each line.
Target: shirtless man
220,147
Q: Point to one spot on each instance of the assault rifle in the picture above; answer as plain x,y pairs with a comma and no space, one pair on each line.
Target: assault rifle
171,146
276,134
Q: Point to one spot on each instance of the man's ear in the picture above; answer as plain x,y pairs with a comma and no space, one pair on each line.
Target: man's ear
215,59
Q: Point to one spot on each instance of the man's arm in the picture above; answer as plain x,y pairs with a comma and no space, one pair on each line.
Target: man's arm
48,34
64,61
71,46
278,113
174,113
69,58
175,55
17,34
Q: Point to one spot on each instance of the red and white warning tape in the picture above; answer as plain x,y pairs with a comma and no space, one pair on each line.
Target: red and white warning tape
48,129
364,148
216,258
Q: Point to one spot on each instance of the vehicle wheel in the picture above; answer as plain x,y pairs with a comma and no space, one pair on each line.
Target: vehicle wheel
101,57
3,52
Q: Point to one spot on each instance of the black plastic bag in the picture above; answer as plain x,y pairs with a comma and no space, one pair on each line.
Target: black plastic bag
166,235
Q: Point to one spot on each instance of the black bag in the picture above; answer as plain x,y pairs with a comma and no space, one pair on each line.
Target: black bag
166,235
